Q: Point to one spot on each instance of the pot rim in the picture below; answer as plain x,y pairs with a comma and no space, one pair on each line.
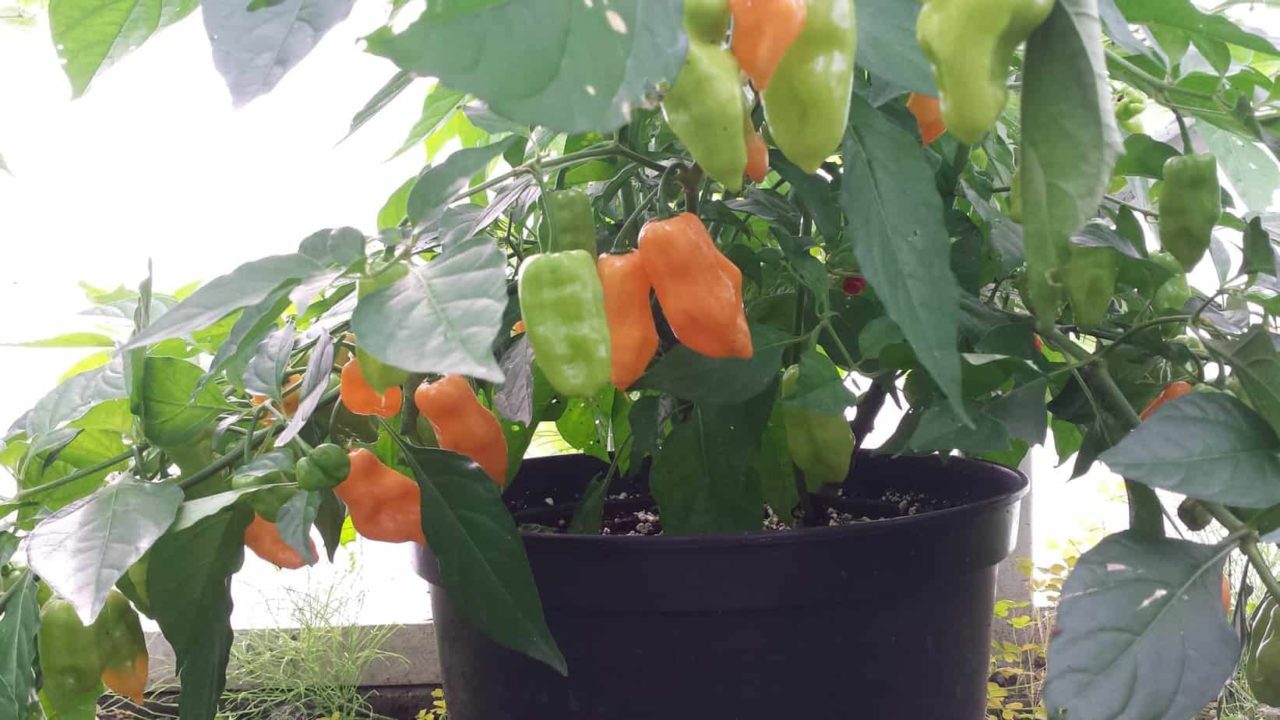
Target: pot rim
809,534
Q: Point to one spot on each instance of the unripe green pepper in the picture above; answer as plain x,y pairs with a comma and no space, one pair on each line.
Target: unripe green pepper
572,225
704,104
1090,278
970,45
326,467
1130,106
69,661
820,445
122,648
1173,293
806,105
1190,205
562,304
1262,656
378,374
270,468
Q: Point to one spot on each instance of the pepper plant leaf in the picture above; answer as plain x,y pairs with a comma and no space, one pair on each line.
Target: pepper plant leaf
687,375
91,35
18,627
174,412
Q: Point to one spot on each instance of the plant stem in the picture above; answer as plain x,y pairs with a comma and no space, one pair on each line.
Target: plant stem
1136,208
1157,86
77,475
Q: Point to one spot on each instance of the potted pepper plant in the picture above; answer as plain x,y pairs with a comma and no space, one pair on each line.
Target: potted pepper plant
706,242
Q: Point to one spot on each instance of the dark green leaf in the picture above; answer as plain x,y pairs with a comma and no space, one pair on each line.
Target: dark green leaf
1070,142
91,35
329,520
1258,256
646,416
482,559
1144,157
254,48
173,412
702,477
437,186
84,548
189,585
690,376
940,430
1140,632
514,398
1184,15
776,471
294,523
820,387
437,106
887,44
1255,361
1208,446
1022,411
816,195
896,225
444,317
18,649
618,53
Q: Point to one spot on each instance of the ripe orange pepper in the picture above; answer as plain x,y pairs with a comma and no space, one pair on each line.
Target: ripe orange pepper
517,328
263,538
384,504
928,117
1172,390
633,337
361,399
463,425
699,289
757,154
762,32
128,681
1226,594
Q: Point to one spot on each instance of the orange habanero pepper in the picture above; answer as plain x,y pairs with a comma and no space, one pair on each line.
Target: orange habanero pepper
699,289
757,153
1171,391
384,504
928,117
263,538
632,334
463,425
762,32
360,398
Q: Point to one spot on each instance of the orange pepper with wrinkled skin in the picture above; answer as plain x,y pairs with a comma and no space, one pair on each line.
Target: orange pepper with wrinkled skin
384,504
757,154
699,289
360,398
263,538
928,114
463,425
762,32
632,334
1171,391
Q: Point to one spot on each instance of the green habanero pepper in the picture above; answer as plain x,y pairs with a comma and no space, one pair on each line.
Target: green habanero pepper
1262,656
1190,205
572,224
820,445
69,661
970,45
1090,279
326,467
704,105
1173,293
562,303
378,374
806,105
271,468
1130,105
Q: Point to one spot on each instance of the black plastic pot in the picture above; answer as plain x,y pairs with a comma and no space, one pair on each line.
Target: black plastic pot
876,620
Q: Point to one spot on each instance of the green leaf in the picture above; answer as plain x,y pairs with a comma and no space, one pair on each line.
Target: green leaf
689,376
1022,411
1254,360
1184,15
84,548
336,247
388,92
243,287
514,398
315,381
394,209
896,225
251,328
197,509
702,476
173,412
776,471
1144,157
440,102
91,35
189,585
73,398
18,649
482,559
940,430
589,515
254,47
329,521
820,386
887,44
1258,255
266,370
582,66
1251,168
1070,142
68,340
444,317
1140,632
294,523
1208,446
437,186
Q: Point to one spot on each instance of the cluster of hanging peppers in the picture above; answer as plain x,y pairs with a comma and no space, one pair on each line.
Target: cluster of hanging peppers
799,56
76,661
